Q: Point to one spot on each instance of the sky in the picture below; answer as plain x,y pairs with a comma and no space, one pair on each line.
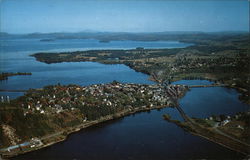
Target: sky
46,16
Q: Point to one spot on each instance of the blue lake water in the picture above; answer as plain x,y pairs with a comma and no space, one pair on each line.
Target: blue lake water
32,44
143,136
15,57
204,102
140,136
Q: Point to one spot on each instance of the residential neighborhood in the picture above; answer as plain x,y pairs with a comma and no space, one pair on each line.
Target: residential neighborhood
109,98
62,109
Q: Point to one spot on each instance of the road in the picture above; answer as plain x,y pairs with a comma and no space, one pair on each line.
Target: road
215,135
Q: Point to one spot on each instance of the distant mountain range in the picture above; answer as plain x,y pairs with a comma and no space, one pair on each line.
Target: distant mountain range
109,36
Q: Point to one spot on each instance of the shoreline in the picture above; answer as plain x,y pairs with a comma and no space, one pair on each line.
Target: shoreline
5,75
61,137
214,140
132,65
82,126
211,134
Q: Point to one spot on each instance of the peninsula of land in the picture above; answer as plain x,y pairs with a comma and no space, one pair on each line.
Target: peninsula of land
60,110
229,131
223,58
5,75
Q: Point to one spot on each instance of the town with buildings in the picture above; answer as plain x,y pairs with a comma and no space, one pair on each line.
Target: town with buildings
124,79
62,109
110,98
212,58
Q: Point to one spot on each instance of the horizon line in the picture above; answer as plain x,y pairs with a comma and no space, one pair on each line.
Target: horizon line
89,31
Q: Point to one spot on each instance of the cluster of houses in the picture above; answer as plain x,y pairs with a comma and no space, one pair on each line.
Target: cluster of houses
5,99
223,120
55,99
72,98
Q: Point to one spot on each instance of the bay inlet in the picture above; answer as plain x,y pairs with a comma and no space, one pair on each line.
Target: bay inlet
141,136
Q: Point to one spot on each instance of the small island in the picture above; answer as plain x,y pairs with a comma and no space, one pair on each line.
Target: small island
5,75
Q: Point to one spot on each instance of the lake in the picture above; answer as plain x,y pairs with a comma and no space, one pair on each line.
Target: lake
147,136
141,136
15,58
